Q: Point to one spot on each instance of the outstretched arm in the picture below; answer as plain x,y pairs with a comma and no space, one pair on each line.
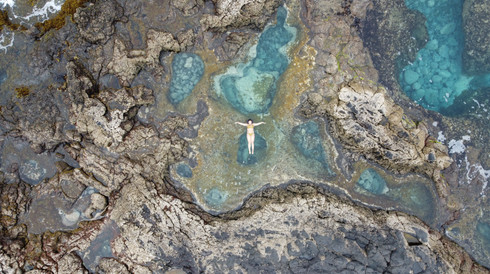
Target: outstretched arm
259,123
241,124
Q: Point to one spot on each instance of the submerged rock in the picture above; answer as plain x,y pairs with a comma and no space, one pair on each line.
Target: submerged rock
393,34
306,138
187,70
250,87
184,170
216,197
371,181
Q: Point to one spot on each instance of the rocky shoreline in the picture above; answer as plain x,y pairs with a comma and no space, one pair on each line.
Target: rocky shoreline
112,154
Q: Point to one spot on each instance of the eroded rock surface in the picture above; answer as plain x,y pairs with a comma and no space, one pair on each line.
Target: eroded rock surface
237,14
295,228
370,123
476,54
156,225
394,34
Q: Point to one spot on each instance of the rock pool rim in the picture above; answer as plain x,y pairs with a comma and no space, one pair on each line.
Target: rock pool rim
266,195
248,205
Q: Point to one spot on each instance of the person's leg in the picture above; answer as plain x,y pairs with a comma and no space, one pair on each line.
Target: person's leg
249,141
253,143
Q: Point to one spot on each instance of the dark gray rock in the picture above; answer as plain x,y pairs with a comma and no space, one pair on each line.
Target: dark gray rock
476,54
96,22
390,39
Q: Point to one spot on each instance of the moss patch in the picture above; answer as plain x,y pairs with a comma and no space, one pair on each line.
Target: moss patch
22,91
5,22
68,9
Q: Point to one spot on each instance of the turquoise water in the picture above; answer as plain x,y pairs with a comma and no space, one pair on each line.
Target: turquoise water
483,228
371,181
187,70
408,194
306,138
250,87
216,197
436,78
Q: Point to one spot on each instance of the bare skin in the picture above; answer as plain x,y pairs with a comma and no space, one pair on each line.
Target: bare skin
250,134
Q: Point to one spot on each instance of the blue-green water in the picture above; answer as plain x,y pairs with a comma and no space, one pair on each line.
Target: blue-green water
250,87
187,70
184,170
436,78
371,181
260,145
408,194
306,138
216,197
483,228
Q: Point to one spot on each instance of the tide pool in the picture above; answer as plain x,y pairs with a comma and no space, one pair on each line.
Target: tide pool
187,70
436,78
411,194
250,87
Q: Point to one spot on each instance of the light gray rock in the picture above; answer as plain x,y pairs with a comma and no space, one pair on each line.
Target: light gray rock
237,14
111,266
71,263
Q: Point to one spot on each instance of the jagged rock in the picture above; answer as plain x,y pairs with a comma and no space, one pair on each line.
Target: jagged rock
367,121
476,54
236,14
233,45
306,231
39,120
188,7
98,203
111,266
71,263
127,63
96,21
100,115
14,201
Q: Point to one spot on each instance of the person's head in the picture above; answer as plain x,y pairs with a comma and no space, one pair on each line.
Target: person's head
250,121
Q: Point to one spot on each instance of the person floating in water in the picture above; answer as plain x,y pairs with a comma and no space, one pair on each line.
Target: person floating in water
250,133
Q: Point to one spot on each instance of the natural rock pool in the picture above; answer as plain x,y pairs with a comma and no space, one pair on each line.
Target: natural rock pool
118,140
436,78
221,174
